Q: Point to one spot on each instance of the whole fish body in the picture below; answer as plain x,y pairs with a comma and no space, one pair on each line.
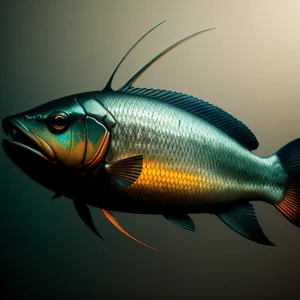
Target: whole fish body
153,151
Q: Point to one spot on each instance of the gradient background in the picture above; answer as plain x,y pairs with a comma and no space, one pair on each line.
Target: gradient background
249,66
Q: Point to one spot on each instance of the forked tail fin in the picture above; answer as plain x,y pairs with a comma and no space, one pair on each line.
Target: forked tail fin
289,156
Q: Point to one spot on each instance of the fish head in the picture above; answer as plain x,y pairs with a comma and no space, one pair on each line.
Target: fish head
73,132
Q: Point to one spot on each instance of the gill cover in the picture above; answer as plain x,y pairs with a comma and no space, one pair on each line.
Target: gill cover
98,122
87,140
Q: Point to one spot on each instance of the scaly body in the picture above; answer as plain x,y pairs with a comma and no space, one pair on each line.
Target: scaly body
187,161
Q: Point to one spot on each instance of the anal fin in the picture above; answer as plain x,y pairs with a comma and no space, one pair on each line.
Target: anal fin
112,219
85,215
181,220
243,220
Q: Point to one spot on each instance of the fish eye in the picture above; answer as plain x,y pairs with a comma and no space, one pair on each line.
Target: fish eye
58,122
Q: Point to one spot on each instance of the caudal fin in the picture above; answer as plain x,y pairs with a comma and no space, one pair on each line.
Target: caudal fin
289,156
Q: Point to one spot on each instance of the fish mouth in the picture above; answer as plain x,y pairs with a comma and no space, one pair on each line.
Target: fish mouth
21,137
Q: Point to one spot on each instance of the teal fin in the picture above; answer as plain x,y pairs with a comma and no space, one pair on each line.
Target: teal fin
131,81
204,110
56,195
242,220
181,220
85,215
108,85
126,171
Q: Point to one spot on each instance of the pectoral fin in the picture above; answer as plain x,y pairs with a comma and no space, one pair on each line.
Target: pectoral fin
112,219
85,215
126,171
242,219
182,220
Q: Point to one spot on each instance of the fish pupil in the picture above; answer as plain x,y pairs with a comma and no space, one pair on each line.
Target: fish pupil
59,122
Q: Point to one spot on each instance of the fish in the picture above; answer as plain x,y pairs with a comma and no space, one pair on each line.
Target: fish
151,151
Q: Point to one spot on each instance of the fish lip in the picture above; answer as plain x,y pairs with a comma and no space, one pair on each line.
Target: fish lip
21,145
21,136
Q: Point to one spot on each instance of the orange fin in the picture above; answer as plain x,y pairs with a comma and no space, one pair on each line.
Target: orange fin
289,156
112,219
290,205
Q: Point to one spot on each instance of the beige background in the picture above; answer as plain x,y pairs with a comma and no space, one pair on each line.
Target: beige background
249,66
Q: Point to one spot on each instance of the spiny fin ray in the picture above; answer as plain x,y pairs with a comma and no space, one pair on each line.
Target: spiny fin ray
112,219
131,81
109,83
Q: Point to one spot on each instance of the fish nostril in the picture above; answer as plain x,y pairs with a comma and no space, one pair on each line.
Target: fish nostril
18,136
14,134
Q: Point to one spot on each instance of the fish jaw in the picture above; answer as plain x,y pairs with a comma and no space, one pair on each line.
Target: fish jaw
19,135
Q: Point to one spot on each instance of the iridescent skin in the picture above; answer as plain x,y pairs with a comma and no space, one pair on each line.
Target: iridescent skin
187,161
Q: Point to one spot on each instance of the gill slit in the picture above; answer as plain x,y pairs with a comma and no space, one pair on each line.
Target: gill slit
98,151
86,133
71,145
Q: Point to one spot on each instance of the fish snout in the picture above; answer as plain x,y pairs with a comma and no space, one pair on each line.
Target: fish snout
11,127
16,131
5,124
8,124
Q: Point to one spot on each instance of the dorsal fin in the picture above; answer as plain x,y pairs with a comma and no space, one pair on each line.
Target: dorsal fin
108,85
206,111
131,81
